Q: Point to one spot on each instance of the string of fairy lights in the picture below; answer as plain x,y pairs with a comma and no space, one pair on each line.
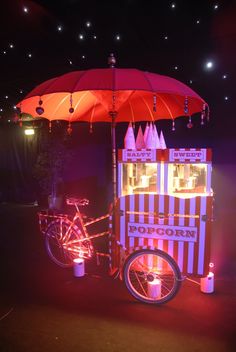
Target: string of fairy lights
14,93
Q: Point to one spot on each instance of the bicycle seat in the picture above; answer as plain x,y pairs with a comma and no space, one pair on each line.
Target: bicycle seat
81,202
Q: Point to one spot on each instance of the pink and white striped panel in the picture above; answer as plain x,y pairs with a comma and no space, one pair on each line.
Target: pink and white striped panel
174,225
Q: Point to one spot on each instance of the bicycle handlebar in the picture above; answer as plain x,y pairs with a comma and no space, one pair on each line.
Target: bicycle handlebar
81,202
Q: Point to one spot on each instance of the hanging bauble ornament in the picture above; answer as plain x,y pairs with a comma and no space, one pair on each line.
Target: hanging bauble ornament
39,110
207,113
111,60
203,114
186,105
154,103
69,129
91,128
71,109
190,125
173,125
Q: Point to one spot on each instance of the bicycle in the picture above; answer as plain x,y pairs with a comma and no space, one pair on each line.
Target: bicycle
150,275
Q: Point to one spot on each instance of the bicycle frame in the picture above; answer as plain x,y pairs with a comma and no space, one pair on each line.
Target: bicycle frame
75,247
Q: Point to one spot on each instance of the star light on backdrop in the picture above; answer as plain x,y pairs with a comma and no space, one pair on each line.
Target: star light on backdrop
209,65
181,31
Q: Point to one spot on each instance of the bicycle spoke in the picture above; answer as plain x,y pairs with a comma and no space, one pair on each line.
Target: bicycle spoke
140,284
151,276
65,242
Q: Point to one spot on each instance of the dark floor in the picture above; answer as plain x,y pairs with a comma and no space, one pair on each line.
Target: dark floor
44,308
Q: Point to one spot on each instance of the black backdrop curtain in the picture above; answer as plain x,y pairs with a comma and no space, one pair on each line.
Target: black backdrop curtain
18,154
86,172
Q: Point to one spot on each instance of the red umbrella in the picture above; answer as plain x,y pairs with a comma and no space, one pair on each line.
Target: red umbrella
112,95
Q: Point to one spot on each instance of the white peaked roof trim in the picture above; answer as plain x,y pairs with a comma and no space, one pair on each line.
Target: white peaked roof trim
150,142
140,144
162,141
146,132
129,141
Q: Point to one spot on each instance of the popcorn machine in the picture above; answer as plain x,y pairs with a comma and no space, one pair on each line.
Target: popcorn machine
165,203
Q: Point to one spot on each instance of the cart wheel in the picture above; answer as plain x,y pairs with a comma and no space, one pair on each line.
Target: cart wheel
63,243
152,276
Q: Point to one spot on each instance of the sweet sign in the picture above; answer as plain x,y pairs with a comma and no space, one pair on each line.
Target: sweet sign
191,155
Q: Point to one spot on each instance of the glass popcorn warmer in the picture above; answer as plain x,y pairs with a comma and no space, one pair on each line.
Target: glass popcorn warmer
181,173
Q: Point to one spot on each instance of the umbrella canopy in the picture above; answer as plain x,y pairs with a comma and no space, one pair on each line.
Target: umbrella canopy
90,96
112,95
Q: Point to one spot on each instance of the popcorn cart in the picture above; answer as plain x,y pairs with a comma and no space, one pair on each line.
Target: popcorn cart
162,219
160,223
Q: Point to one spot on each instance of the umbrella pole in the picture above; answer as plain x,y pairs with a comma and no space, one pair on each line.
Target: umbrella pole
113,140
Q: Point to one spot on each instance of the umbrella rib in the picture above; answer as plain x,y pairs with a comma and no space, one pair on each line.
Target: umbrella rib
92,114
132,112
167,107
149,83
151,114
59,105
79,101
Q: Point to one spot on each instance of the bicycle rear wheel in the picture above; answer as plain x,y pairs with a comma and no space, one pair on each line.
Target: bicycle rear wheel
152,276
63,242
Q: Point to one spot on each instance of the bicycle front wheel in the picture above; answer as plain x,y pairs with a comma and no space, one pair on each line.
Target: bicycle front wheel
152,276
63,242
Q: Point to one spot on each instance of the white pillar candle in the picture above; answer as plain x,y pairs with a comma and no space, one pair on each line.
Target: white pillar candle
207,283
154,288
78,267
